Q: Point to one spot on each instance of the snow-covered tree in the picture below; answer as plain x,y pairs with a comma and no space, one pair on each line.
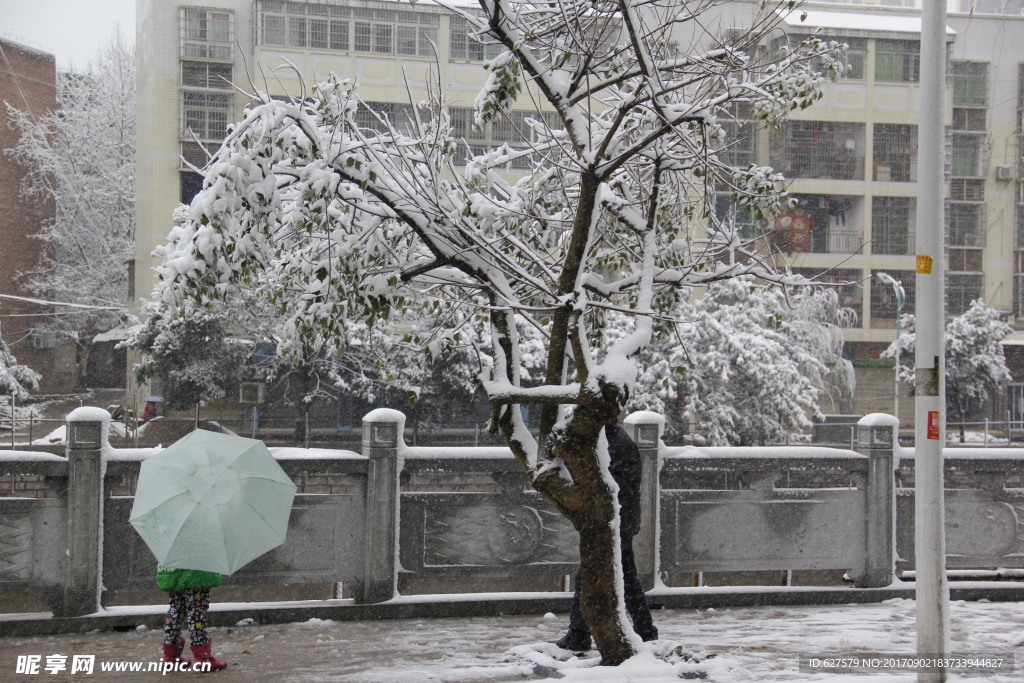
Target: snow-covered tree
613,212
83,157
749,364
17,381
975,363
191,353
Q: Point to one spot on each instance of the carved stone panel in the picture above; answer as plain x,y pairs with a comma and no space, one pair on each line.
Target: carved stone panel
32,542
498,534
324,544
984,528
755,530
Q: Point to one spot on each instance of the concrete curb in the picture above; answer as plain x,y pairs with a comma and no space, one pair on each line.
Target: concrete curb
482,605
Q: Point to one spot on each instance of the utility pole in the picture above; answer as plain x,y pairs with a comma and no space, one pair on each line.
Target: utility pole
932,592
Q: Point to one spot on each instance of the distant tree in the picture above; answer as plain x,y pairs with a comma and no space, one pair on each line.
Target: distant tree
975,362
17,381
190,353
749,365
83,157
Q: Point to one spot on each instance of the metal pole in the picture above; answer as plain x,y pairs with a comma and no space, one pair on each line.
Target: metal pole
932,590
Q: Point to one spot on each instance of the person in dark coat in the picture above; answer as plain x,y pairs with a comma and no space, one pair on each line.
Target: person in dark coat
625,466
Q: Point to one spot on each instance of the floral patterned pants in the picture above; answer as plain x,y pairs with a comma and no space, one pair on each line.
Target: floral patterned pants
191,605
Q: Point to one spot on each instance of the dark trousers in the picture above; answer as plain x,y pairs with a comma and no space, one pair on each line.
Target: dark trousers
636,601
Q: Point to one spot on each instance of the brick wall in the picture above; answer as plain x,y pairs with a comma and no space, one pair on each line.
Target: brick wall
27,82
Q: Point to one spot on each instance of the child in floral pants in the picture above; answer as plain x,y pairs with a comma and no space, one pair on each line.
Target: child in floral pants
189,599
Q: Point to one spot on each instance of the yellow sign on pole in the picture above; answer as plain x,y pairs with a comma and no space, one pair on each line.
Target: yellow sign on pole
924,264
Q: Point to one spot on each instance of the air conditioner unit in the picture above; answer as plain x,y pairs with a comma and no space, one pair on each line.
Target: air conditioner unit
1004,172
43,339
252,393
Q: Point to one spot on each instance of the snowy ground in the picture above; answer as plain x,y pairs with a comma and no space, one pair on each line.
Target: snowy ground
726,645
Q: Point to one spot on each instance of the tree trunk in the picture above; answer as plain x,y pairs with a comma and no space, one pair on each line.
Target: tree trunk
960,413
601,601
590,504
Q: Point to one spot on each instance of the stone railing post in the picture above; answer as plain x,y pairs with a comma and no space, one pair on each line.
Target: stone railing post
87,430
645,429
382,441
876,438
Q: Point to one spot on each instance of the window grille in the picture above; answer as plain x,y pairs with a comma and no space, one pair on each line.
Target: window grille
739,145
961,290
966,224
856,56
727,212
970,84
206,33
463,45
891,225
969,119
820,149
206,74
398,114
821,224
1018,285
897,60
331,27
192,153
205,114
965,190
848,285
964,260
894,152
883,298
967,152
189,185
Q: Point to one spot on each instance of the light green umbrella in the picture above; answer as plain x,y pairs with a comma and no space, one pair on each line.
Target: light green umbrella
212,501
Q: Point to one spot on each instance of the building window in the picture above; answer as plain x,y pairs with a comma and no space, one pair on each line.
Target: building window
819,149
969,119
462,44
966,190
892,225
190,184
739,148
966,224
897,60
967,155
728,213
205,114
820,224
343,27
205,33
511,130
206,74
848,284
856,56
961,290
192,154
970,84
883,298
894,152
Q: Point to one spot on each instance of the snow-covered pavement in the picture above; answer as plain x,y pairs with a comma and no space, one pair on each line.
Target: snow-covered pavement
725,645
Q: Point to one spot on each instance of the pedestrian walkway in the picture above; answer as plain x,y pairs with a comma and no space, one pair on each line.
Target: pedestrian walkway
725,645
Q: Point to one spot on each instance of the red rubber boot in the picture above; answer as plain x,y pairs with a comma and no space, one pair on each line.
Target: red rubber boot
203,655
172,652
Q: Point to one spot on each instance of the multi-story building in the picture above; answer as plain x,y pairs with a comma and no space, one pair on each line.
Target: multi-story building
28,83
851,159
